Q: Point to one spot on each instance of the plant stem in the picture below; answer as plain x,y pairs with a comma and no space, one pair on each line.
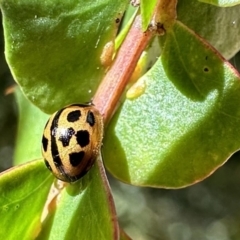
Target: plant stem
116,79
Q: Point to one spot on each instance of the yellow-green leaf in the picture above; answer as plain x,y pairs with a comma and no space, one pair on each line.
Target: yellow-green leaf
23,190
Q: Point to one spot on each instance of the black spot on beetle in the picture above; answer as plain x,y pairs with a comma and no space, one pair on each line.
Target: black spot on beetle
76,158
83,138
82,172
74,116
44,143
48,165
90,118
57,161
117,20
66,136
54,148
206,69
86,168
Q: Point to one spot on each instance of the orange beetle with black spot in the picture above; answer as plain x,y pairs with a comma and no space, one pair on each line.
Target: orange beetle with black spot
71,141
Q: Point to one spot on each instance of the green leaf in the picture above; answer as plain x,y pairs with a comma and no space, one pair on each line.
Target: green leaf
53,47
219,26
147,8
84,210
222,3
23,192
128,19
31,123
186,123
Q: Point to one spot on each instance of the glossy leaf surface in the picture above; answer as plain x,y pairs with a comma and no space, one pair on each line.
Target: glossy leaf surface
186,123
84,210
53,47
23,192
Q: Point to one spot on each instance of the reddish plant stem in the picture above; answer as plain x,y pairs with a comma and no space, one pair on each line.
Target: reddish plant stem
115,81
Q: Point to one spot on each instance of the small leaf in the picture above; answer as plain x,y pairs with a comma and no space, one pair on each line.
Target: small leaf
23,192
185,125
53,47
84,210
147,8
128,19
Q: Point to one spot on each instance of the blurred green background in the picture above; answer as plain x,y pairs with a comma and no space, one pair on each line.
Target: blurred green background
8,111
209,210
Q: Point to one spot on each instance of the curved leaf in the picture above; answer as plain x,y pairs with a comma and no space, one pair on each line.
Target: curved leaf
147,8
23,192
84,210
186,123
219,26
53,47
